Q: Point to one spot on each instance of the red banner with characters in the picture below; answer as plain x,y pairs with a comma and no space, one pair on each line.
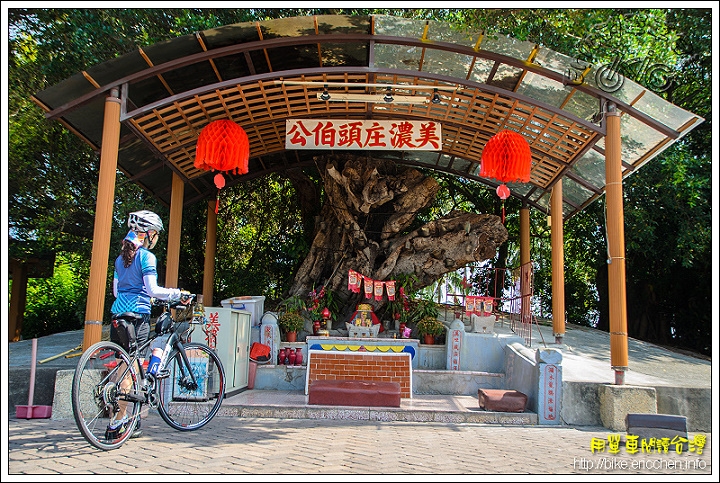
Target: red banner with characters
479,305
371,288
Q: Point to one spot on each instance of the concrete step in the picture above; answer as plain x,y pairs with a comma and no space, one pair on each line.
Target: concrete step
420,408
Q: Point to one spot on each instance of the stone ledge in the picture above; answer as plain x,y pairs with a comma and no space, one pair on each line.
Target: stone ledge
62,405
617,401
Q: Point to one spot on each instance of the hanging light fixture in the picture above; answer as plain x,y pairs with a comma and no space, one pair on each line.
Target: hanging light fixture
325,96
388,95
435,97
380,98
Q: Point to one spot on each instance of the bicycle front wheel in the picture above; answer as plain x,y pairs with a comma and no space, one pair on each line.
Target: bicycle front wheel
187,405
104,395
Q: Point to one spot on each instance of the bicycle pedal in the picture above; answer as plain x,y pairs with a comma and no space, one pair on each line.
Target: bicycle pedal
162,374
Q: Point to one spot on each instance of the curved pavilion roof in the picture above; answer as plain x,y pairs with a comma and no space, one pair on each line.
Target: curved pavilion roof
259,74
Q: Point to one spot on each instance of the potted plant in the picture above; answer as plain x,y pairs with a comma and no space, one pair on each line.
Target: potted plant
318,305
292,322
428,327
401,309
423,308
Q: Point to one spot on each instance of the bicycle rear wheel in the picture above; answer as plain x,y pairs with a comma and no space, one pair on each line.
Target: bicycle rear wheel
101,386
184,405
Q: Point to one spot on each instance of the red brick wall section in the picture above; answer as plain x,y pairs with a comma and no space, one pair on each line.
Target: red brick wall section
361,366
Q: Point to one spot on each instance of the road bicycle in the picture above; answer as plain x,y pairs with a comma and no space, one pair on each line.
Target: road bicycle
110,384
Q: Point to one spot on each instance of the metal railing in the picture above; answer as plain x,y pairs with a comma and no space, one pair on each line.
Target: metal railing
511,303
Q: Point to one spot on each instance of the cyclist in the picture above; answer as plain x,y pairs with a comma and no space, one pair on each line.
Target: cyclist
134,283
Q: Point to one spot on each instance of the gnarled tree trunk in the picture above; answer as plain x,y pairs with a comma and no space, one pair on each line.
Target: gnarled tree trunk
368,224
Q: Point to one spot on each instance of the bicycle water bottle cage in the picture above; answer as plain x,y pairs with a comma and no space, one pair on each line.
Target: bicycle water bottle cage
122,330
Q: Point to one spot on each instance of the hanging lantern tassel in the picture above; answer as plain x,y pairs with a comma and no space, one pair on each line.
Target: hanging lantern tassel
220,183
503,192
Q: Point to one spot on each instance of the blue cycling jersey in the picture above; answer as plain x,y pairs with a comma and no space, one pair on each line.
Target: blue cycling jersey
132,296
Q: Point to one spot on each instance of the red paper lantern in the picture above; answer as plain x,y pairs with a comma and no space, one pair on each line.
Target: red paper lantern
219,181
222,146
506,157
502,191
325,313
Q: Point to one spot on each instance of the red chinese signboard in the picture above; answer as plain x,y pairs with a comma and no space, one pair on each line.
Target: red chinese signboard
363,134
211,328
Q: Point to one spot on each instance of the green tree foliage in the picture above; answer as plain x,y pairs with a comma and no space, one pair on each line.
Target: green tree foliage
260,239
56,304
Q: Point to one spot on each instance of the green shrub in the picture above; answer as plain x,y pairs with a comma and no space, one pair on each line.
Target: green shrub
55,304
430,326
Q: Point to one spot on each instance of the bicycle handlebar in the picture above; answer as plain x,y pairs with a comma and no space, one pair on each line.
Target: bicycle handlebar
184,300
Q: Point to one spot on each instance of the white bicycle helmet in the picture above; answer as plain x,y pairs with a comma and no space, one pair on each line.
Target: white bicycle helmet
142,221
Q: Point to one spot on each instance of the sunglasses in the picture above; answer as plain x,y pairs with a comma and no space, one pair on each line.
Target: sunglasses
152,237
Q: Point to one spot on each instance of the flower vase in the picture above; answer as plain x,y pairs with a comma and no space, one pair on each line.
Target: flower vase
287,356
316,327
291,358
298,356
401,330
281,357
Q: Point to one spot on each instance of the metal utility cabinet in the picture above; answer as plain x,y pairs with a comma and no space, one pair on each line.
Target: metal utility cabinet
231,342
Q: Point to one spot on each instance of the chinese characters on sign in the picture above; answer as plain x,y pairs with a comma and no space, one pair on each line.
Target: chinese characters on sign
455,336
649,445
549,393
211,328
361,134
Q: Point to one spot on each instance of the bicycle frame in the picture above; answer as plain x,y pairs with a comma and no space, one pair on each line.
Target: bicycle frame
187,389
148,390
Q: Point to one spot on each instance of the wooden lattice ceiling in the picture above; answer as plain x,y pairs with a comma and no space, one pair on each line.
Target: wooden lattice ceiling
261,74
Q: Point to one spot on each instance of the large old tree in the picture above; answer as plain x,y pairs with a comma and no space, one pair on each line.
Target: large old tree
368,223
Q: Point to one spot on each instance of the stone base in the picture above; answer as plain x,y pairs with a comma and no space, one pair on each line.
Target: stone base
502,400
354,393
617,401
647,426
62,401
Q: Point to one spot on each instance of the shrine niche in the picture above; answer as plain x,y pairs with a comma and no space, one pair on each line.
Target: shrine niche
368,224
364,322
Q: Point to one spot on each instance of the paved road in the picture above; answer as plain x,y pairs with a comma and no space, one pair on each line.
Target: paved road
237,446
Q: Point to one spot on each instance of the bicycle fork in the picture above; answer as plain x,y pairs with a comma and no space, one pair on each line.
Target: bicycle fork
187,380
